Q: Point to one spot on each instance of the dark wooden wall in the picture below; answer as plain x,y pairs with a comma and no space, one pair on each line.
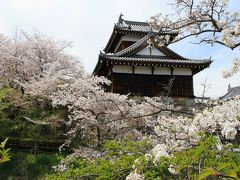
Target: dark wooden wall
152,85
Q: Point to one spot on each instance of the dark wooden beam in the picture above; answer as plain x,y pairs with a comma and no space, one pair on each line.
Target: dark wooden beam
152,70
133,69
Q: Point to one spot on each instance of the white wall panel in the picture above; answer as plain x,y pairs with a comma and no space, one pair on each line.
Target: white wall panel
162,71
182,71
122,69
143,70
154,51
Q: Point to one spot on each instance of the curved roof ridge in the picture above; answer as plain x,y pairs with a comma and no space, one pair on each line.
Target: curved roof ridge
236,87
136,22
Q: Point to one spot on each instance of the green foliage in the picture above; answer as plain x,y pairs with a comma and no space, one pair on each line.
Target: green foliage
28,166
41,164
122,157
4,153
126,146
150,170
14,106
3,104
116,163
206,160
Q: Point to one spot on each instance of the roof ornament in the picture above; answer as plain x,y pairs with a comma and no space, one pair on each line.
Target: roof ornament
151,31
120,19
150,42
229,87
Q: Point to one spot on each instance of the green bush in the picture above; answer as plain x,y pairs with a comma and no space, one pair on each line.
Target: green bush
117,162
205,160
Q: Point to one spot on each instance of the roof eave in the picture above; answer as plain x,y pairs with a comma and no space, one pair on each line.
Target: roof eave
207,65
97,67
197,66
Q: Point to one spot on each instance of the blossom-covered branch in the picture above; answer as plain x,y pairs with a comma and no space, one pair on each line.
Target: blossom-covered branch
209,21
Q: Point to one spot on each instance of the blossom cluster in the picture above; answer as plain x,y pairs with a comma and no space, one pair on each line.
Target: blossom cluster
182,132
234,68
135,176
208,21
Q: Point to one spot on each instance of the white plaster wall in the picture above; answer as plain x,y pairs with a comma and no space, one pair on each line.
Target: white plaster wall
142,70
122,69
182,71
146,51
162,71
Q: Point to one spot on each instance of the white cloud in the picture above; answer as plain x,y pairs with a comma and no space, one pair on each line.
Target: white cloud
32,5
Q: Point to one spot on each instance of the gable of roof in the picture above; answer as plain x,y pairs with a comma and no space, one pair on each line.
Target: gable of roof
142,43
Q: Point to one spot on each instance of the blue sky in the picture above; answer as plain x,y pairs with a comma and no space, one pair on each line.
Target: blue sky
89,24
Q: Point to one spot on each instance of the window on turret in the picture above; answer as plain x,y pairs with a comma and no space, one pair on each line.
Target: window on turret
124,44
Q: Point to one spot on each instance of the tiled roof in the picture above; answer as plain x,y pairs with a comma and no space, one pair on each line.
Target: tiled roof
160,60
231,94
157,61
141,27
133,28
138,27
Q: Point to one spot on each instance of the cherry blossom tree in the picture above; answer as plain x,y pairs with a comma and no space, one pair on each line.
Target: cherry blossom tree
96,115
7,60
50,63
36,62
209,21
